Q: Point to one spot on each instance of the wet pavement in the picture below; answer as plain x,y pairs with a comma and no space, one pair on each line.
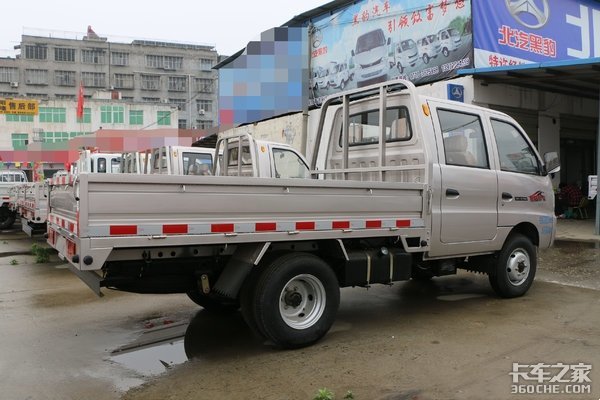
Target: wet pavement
445,339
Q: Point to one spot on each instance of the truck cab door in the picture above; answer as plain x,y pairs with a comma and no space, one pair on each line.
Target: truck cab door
467,188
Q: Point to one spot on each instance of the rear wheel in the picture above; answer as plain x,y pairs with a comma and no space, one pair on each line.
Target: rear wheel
295,300
7,218
513,274
400,67
425,58
445,52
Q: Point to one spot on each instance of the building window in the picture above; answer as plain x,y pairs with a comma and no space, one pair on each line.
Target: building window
9,74
151,99
204,106
171,62
65,96
54,137
20,141
87,116
177,83
19,118
203,124
36,76
154,61
204,85
64,54
41,96
117,58
124,81
64,78
136,117
112,114
206,63
163,117
180,103
151,82
93,79
35,52
182,124
53,114
92,56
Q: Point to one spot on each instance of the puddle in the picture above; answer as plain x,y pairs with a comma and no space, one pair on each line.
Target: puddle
572,245
459,297
166,343
156,350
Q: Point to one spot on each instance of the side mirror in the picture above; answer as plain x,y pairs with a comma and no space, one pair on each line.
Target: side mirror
352,52
552,162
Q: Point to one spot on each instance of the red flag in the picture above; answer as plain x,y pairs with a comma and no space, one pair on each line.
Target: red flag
80,101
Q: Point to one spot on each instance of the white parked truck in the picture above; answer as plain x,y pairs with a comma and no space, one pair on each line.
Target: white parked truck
9,179
405,186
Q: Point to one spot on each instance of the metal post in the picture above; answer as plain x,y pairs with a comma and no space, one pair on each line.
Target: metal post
597,230
306,95
189,124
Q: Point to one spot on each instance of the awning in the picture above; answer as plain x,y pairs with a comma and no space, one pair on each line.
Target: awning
579,78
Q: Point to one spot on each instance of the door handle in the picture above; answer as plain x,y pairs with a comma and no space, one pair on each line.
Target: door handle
452,193
507,196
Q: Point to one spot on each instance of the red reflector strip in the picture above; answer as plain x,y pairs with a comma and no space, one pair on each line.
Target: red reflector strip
305,226
375,224
222,228
340,225
116,230
71,248
175,229
266,226
403,223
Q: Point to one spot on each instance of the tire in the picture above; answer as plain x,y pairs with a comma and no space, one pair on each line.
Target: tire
400,67
247,295
7,218
421,273
515,269
425,58
342,84
445,52
212,304
295,300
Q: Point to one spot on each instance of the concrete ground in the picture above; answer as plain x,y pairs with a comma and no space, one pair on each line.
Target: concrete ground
451,338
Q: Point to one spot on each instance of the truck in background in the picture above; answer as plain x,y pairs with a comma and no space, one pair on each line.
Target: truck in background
8,180
371,57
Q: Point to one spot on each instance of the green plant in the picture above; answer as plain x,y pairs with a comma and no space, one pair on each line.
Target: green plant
324,394
4,242
14,262
42,254
349,395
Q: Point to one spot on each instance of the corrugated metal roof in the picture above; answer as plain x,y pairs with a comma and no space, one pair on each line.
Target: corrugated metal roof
579,78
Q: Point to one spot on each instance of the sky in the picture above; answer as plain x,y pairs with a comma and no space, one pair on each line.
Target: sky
227,25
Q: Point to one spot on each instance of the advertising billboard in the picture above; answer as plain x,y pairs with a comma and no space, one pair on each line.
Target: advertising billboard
524,31
379,40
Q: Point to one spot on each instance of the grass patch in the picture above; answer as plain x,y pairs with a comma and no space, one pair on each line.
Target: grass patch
41,254
14,261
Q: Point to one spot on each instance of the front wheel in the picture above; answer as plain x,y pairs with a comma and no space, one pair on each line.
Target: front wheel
513,274
446,52
400,67
296,299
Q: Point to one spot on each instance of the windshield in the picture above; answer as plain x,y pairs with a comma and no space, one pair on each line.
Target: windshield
432,38
370,41
453,32
408,44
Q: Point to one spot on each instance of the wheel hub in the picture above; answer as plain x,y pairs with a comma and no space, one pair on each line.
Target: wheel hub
293,299
302,301
518,267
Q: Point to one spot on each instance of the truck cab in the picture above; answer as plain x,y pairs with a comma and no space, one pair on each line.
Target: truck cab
449,40
102,163
405,54
429,47
181,160
246,156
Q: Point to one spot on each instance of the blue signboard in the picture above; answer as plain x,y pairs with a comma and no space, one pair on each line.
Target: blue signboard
456,92
513,32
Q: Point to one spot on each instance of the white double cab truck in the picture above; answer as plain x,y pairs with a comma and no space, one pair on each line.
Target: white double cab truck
404,186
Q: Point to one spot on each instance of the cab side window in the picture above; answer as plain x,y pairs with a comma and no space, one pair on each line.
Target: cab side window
464,143
516,155
289,165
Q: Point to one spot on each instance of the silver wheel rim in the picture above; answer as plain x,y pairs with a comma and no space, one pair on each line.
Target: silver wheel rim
302,301
518,267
